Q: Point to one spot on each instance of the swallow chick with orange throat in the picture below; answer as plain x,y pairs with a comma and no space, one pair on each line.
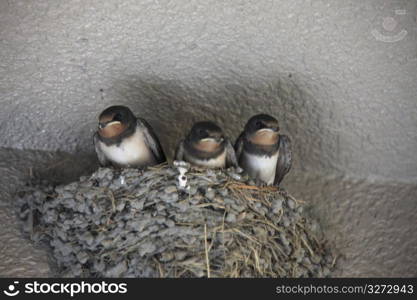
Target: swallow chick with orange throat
123,140
206,146
262,151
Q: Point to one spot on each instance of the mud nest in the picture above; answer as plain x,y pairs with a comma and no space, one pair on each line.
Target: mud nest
133,223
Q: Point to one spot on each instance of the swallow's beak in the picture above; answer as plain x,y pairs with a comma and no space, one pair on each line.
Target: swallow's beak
208,139
102,125
267,130
213,139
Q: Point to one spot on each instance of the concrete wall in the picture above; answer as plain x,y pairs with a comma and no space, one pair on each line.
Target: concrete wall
341,76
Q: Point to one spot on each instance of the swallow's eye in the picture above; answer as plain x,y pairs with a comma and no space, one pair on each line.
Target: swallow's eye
201,132
117,117
258,124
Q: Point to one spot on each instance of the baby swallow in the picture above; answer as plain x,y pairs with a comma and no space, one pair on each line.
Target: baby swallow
262,152
206,146
122,140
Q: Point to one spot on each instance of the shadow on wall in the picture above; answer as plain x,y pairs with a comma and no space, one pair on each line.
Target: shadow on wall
373,222
302,105
173,106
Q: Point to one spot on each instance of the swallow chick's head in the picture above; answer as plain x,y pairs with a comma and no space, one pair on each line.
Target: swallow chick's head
114,121
262,129
206,136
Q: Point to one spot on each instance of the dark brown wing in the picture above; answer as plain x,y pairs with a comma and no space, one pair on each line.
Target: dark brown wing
179,152
152,141
104,162
231,160
284,159
239,146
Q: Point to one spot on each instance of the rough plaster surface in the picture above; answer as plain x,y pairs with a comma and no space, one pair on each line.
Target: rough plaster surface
348,100
371,222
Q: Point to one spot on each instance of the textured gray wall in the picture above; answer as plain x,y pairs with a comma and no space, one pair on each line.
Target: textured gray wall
347,98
